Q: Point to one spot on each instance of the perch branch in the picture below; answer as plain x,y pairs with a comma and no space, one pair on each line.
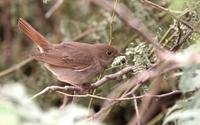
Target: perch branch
94,85
129,18
173,62
122,98
112,76
54,88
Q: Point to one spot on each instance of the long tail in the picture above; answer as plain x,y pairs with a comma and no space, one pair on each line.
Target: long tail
35,36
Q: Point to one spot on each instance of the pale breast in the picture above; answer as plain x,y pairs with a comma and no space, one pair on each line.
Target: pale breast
75,77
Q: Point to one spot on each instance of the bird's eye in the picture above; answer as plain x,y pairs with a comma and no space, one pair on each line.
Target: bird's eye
109,53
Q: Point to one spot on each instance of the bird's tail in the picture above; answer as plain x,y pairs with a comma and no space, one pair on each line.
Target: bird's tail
35,36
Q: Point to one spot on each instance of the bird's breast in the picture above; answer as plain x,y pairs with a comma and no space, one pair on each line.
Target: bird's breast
75,77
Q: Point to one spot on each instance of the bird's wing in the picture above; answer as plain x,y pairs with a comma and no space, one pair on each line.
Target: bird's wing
66,55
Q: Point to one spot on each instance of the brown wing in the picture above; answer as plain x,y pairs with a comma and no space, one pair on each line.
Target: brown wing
67,55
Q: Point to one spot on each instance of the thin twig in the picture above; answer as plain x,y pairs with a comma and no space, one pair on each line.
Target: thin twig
124,98
129,18
94,85
54,88
112,76
85,33
15,67
111,24
57,4
156,6
180,40
137,81
136,110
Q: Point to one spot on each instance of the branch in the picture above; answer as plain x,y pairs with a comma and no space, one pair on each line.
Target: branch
169,63
156,6
85,33
112,76
94,85
124,98
55,88
129,18
136,111
57,4
15,67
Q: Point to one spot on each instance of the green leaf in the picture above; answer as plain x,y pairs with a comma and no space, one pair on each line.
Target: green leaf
177,5
190,78
185,112
17,109
8,114
188,117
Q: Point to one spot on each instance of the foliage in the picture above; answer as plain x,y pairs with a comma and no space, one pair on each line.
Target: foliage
186,111
69,21
16,108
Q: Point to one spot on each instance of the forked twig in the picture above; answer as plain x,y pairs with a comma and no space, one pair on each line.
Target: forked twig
94,85
54,88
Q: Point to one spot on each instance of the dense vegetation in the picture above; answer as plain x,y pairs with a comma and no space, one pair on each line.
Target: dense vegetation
157,81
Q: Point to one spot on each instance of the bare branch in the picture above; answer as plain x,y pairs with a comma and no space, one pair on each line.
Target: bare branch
15,67
57,4
54,88
129,18
112,76
137,111
94,85
169,63
156,6
126,98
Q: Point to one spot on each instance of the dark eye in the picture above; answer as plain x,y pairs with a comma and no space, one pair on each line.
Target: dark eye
109,53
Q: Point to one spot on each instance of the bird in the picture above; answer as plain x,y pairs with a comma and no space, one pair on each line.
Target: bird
75,63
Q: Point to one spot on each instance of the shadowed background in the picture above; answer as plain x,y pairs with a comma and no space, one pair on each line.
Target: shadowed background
88,21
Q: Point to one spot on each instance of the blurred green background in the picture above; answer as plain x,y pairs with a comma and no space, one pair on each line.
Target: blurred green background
83,21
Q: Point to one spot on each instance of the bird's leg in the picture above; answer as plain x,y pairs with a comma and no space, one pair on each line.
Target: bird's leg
85,88
77,90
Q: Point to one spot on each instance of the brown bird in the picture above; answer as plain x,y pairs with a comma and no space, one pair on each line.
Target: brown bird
71,62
